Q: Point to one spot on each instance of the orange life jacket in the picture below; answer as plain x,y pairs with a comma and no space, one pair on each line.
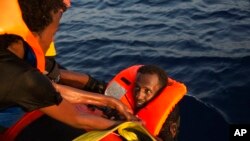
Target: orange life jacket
11,22
154,113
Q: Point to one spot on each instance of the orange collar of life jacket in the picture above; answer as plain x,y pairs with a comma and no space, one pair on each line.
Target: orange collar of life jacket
154,113
11,22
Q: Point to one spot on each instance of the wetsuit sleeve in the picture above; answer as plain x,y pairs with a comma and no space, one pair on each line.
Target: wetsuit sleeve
34,91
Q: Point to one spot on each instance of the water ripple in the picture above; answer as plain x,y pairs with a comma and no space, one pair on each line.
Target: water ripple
203,43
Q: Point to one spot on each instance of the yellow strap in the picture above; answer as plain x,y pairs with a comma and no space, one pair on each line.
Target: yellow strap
52,50
128,135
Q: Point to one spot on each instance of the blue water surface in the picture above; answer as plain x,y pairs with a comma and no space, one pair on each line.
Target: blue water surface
202,43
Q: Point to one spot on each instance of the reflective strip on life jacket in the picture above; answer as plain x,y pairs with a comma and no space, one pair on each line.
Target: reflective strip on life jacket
154,113
121,86
11,22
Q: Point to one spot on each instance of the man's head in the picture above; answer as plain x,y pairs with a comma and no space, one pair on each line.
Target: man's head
150,80
170,129
42,18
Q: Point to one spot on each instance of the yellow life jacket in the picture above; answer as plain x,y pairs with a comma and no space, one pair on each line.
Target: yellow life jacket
51,52
156,111
11,22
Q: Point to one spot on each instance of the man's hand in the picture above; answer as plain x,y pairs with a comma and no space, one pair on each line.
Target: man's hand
78,96
125,112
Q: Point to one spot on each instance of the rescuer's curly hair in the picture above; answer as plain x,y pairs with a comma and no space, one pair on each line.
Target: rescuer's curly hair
37,13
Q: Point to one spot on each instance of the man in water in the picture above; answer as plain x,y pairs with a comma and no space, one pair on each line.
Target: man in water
150,81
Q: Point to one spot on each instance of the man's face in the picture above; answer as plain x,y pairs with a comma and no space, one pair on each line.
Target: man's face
146,87
47,36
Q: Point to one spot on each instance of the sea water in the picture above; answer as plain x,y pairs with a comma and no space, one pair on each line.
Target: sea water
203,43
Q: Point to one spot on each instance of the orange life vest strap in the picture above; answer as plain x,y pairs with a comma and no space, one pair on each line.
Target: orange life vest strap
40,56
11,22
